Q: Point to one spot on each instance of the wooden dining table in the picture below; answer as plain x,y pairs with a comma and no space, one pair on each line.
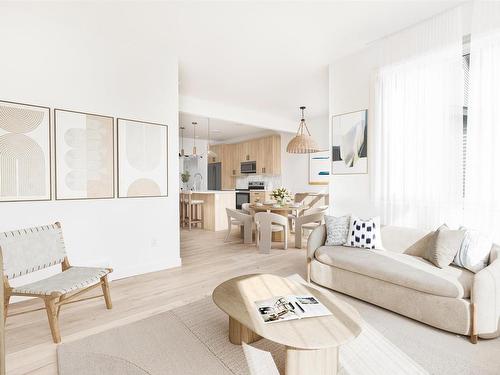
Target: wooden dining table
280,210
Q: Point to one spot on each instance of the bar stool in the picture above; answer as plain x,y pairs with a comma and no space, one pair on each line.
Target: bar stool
192,210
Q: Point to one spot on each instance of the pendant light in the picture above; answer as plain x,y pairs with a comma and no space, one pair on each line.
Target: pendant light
182,142
194,137
210,153
302,143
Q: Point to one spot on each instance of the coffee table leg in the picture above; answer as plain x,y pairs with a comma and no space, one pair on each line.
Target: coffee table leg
320,362
238,333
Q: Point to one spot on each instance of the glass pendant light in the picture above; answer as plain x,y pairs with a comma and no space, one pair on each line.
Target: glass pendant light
302,143
194,137
181,153
210,153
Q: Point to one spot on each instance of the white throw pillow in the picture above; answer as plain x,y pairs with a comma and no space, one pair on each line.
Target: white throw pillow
474,251
365,233
337,229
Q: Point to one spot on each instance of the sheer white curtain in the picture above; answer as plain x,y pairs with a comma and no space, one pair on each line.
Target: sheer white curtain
416,163
482,189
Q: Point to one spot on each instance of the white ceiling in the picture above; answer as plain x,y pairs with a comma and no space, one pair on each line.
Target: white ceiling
220,130
273,56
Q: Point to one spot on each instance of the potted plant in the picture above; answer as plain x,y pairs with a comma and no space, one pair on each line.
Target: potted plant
185,178
281,195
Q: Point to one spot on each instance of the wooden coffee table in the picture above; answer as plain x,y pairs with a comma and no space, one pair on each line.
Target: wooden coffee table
311,343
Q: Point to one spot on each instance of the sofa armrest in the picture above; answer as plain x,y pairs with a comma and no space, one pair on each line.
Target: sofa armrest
485,295
316,239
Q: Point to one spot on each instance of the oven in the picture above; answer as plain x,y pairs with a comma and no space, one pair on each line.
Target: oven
242,196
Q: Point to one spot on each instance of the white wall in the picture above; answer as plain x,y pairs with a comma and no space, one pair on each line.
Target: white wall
198,165
97,58
350,91
295,167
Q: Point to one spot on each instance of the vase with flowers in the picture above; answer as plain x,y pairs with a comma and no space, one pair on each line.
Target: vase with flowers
282,196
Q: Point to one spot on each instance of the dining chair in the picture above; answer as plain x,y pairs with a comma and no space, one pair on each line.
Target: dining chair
267,223
259,361
242,221
245,207
309,221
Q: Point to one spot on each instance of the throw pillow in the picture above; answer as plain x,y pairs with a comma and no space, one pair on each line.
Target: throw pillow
444,247
419,248
365,233
474,251
337,229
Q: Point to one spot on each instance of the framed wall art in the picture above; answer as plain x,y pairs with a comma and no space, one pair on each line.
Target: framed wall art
84,150
350,143
319,168
24,152
142,159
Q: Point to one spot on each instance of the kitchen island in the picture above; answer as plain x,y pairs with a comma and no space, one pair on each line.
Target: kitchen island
214,207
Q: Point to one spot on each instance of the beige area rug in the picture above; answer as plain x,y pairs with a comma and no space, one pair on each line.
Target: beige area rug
193,339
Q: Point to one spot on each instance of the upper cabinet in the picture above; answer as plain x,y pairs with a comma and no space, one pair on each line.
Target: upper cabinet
218,149
266,152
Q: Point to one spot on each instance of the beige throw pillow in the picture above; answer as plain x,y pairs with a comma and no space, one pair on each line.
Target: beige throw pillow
445,245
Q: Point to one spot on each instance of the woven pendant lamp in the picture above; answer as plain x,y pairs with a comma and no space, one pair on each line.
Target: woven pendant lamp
302,143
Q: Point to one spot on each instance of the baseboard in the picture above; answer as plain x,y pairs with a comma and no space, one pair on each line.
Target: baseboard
141,269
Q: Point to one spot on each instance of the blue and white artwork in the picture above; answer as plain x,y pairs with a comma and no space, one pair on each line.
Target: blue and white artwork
349,143
319,168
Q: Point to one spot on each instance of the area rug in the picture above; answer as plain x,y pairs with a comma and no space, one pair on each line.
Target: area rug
193,339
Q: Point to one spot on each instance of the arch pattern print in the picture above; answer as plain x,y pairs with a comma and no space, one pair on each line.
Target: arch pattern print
142,159
24,152
84,155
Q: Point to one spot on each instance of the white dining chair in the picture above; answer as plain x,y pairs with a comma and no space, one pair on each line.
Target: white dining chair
242,221
245,208
308,222
267,223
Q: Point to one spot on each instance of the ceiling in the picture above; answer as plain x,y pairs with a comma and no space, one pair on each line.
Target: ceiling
273,56
220,130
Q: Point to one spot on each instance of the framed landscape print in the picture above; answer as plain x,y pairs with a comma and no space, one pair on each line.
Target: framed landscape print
319,168
350,143
84,150
24,152
142,159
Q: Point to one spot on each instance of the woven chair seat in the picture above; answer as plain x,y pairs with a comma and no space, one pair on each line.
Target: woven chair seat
70,280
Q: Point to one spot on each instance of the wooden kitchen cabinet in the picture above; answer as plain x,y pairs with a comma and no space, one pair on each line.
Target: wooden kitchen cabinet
259,196
228,180
218,149
266,152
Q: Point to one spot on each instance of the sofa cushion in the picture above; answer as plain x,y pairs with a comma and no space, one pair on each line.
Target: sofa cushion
400,269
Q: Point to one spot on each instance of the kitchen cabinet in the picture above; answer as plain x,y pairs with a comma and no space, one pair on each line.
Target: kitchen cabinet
265,151
259,196
218,149
228,167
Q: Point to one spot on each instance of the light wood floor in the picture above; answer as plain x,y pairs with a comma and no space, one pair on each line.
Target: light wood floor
206,262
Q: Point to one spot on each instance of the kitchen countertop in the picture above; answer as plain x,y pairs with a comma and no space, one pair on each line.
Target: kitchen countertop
214,192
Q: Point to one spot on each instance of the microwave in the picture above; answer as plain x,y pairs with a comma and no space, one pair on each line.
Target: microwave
248,167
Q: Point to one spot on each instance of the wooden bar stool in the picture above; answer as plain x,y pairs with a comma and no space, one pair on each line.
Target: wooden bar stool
192,210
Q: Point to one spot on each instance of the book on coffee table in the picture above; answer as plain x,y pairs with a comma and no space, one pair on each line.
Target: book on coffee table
290,307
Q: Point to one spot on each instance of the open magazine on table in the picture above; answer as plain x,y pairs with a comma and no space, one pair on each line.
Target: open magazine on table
290,307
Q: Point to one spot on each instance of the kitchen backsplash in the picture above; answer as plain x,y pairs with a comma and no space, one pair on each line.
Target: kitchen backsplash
271,182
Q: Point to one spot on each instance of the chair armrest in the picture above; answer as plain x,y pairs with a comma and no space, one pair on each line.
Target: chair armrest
485,295
240,216
316,239
312,218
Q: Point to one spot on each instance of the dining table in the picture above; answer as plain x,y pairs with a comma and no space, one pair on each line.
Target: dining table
283,210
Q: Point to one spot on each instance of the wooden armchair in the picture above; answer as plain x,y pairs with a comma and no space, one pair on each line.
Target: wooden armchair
28,250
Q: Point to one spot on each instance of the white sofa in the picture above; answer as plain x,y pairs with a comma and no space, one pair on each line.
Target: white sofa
453,299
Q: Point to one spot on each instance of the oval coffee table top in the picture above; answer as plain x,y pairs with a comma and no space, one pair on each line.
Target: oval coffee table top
236,298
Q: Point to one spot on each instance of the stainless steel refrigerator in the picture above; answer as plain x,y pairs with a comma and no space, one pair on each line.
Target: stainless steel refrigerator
214,176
